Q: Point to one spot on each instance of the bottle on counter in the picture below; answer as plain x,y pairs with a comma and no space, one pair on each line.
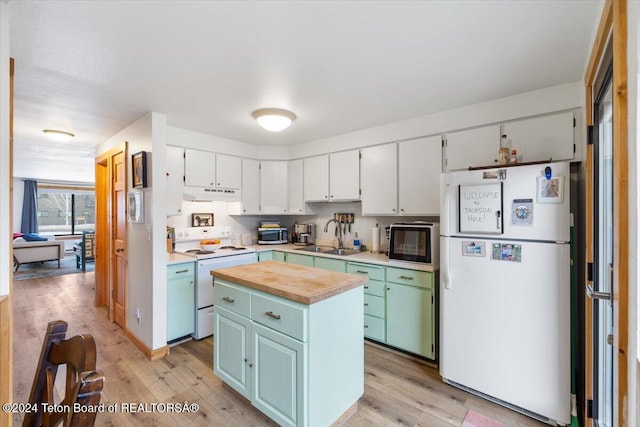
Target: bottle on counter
356,243
514,157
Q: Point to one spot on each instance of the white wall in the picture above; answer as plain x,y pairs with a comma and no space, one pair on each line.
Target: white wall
146,243
5,159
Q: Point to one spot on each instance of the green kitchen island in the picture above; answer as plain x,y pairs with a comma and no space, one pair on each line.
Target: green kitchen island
289,338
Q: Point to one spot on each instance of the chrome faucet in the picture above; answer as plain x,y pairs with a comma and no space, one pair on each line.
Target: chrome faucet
326,229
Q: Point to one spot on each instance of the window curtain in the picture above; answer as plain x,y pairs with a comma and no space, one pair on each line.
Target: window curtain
30,207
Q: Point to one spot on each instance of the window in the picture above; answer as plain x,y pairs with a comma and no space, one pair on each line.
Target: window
65,210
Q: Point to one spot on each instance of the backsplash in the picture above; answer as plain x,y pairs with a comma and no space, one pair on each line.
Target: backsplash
248,224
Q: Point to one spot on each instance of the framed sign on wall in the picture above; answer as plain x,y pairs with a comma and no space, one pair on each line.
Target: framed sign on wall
139,169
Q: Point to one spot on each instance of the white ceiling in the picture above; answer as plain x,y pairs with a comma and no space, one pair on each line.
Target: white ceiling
94,67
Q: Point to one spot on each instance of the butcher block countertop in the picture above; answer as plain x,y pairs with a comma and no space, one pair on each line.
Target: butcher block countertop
306,285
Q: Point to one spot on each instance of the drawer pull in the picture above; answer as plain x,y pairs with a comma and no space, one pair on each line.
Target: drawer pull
363,272
275,316
182,271
227,299
366,304
406,277
366,326
366,287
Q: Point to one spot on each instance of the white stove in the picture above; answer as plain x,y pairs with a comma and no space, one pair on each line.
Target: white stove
188,243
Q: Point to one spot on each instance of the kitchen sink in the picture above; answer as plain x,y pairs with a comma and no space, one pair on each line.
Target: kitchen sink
316,248
341,252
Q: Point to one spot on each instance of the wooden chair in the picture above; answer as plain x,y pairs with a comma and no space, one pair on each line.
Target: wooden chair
83,383
86,250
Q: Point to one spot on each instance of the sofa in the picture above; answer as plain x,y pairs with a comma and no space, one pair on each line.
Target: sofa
37,251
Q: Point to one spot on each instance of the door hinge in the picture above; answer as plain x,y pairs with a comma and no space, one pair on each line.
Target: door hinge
589,272
184,178
590,130
574,148
360,154
589,408
574,122
431,299
113,294
360,191
444,142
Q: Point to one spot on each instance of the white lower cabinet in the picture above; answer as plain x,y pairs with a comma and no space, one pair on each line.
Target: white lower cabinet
281,355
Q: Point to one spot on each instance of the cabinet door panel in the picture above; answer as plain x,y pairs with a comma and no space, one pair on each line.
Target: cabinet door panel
199,168
410,319
316,179
180,307
250,187
330,264
278,375
233,337
473,147
175,179
295,184
379,180
542,138
228,171
419,167
306,260
344,176
273,188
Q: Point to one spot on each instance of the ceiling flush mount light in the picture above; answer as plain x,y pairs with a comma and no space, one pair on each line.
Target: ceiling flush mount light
58,135
273,119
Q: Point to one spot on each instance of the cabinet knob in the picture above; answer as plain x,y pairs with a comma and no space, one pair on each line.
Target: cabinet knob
394,209
332,196
325,196
251,365
218,184
246,360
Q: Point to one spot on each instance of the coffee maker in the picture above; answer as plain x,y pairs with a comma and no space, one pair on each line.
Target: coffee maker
304,234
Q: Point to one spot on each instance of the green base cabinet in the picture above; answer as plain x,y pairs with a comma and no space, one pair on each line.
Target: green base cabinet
265,256
411,311
305,260
331,264
374,299
180,300
278,256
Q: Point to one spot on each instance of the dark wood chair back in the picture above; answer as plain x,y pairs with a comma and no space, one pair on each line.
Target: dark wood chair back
83,383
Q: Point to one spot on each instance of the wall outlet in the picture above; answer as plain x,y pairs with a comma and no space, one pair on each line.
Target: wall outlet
138,315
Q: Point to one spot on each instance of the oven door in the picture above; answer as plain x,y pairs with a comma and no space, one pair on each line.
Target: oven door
409,243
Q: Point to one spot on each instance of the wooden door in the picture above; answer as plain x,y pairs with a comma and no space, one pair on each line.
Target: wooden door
613,29
117,307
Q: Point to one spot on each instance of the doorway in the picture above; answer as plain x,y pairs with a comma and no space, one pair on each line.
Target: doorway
111,233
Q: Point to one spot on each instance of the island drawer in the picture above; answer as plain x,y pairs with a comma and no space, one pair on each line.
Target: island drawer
374,287
373,305
232,298
371,271
423,279
279,315
374,328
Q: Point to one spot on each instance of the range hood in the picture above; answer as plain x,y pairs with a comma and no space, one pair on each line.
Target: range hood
205,194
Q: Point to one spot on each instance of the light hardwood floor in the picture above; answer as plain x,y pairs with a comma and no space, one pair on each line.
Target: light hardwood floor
399,390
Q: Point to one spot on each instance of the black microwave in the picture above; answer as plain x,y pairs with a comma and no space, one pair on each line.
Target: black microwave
273,235
415,242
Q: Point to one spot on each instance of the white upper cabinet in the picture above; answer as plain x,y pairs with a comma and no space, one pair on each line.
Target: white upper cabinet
542,138
175,179
295,187
419,167
207,169
473,147
250,187
273,188
344,176
228,171
199,168
316,179
379,180
332,177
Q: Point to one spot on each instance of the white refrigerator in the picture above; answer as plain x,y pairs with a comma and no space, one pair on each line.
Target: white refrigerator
504,289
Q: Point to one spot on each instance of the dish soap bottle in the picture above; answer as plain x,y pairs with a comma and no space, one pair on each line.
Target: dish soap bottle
356,243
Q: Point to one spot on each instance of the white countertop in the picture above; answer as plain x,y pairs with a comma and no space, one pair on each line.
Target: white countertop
176,258
368,257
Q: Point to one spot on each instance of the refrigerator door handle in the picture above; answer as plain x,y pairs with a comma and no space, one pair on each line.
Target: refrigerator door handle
445,264
498,214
